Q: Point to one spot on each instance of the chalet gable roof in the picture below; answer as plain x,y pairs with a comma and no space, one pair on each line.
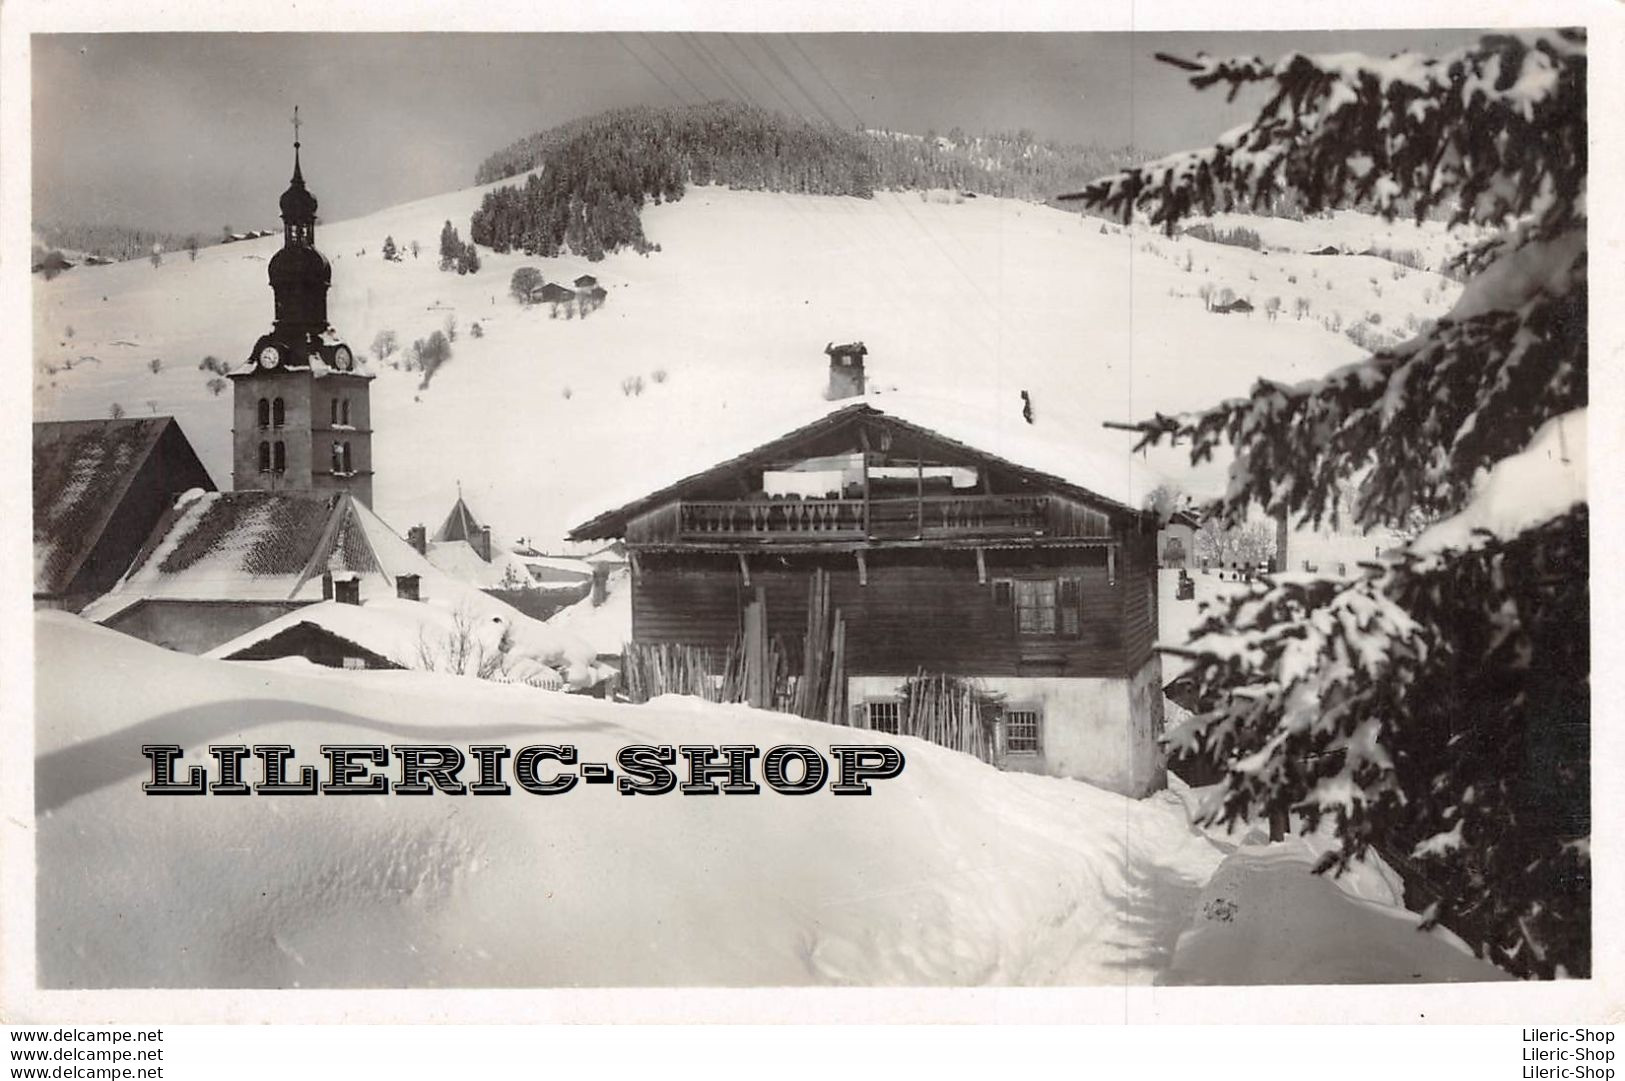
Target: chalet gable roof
939,428
82,471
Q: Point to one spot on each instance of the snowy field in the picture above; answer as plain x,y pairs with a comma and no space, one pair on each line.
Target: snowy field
971,301
952,873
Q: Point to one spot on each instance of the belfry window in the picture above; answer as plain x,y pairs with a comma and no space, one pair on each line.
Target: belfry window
338,458
335,405
265,452
265,413
278,413
279,457
349,464
344,410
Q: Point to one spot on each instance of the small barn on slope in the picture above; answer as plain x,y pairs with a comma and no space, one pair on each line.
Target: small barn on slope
1024,572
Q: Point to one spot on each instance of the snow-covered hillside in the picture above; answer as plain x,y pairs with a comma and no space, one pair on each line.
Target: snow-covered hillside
972,300
951,873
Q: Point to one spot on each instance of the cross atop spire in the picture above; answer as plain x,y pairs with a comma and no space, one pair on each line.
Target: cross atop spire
298,205
296,122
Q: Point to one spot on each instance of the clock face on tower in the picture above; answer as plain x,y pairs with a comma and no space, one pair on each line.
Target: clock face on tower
342,359
270,357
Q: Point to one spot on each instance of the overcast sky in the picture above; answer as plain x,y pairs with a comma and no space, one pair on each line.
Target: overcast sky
190,131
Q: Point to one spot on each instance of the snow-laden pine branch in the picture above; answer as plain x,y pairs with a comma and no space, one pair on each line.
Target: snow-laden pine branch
1493,133
1437,706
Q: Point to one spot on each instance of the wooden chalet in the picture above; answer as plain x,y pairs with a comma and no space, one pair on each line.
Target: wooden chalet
941,558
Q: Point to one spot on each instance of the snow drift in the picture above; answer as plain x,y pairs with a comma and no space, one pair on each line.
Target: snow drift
952,873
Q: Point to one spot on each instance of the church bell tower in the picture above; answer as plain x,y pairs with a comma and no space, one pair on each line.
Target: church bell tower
301,414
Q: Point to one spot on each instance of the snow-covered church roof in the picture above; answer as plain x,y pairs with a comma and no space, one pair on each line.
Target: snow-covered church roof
275,546
252,546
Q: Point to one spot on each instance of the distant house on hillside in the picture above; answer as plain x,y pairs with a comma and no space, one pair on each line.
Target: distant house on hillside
1240,304
1007,578
586,281
53,264
1330,249
100,486
555,294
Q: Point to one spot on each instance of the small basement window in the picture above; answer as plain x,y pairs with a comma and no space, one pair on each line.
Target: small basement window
353,662
1023,731
884,715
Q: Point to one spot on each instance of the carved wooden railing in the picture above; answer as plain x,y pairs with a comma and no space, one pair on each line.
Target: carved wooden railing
983,515
822,518
935,517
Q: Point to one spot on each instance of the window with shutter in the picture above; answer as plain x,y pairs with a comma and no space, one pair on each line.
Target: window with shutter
1003,592
1035,605
1070,607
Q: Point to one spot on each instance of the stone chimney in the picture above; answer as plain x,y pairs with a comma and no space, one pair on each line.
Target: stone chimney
347,590
481,543
406,586
418,538
845,370
600,584
327,585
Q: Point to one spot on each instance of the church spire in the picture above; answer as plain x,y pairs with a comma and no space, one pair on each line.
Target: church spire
299,275
298,204
298,178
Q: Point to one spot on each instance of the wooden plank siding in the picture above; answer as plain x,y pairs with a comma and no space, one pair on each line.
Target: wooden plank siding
1137,568
921,608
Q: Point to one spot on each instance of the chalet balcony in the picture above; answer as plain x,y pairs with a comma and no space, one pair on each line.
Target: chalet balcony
932,517
757,519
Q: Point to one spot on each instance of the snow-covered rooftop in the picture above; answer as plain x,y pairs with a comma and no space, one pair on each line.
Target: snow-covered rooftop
1053,444
411,634
82,469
